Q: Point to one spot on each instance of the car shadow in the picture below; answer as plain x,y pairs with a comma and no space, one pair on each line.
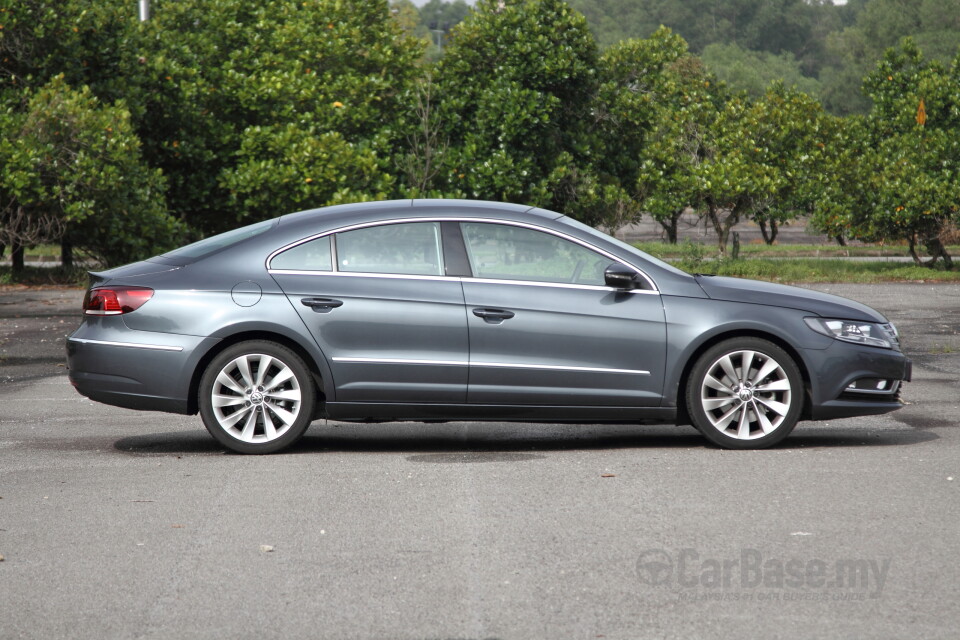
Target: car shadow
470,442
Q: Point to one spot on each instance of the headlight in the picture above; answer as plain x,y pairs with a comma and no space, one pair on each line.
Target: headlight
868,333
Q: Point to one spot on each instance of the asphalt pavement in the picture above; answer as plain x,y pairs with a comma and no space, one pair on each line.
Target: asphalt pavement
121,524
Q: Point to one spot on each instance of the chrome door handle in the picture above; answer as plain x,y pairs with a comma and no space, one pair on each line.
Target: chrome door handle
493,316
321,305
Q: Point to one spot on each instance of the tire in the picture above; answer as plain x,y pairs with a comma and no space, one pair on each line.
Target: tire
257,397
752,411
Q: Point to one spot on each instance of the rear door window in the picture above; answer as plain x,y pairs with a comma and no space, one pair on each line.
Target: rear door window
411,248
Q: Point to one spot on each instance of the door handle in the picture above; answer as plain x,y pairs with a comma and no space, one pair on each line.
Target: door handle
493,316
321,305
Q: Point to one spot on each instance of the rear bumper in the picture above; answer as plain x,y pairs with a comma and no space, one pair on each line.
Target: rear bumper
141,370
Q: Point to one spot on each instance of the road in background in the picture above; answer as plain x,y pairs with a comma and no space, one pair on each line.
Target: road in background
119,524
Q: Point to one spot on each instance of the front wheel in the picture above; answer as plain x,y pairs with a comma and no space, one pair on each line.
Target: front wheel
257,397
745,393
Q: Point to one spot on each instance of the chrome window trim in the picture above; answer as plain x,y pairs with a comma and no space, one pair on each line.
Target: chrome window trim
463,279
359,274
499,365
513,223
558,285
135,345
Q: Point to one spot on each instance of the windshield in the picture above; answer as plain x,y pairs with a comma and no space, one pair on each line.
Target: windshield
215,243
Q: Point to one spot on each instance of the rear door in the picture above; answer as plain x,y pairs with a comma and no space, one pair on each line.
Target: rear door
380,306
545,330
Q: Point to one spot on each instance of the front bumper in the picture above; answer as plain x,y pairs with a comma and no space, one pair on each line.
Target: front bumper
849,380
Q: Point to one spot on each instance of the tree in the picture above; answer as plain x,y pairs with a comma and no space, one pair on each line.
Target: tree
516,86
915,124
754,71
70,168
734,158
849,178
634,94
229,87
792,131
687,107
426,146
733,181
880,25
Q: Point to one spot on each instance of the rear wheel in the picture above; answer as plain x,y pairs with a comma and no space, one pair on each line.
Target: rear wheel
257,397
745,393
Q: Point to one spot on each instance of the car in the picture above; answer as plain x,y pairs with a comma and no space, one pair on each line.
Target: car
454,310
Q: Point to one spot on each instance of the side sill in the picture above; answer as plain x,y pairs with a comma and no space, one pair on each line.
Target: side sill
386,412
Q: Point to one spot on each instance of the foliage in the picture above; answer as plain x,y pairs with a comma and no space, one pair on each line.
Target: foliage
225,85
634,96
225,111
688,108
848,185
754,71
918,191
70,168
516,127
855,50
762,161
895,173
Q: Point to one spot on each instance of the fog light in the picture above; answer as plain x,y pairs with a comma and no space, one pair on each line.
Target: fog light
873,385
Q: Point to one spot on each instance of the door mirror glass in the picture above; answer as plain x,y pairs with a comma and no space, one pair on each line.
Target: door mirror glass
620,276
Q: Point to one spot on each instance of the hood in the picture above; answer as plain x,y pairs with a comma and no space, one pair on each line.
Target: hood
768,293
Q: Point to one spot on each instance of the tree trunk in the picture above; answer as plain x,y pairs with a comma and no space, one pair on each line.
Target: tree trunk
912,248
66,253
769,235
670,226
840,240
722,229
16,256
936,250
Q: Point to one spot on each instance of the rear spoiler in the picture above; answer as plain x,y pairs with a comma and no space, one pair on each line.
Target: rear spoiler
94,278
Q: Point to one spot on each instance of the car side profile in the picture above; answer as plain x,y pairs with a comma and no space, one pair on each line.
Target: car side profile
438,310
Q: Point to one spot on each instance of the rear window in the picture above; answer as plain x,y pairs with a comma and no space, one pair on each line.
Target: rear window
215,243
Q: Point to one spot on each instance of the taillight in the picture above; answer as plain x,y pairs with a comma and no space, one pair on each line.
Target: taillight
115,301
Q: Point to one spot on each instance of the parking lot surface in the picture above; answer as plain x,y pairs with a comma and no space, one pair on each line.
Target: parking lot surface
121,524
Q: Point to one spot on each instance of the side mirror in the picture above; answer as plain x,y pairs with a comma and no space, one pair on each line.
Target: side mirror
620,276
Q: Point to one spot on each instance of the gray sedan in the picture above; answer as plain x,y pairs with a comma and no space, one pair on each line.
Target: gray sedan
464,310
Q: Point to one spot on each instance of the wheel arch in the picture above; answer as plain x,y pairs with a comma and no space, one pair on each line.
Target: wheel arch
319,378
683,416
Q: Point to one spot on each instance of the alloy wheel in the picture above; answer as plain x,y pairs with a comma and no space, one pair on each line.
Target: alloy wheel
746,394
256,398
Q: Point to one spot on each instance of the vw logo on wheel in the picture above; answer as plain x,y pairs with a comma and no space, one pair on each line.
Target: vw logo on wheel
655,567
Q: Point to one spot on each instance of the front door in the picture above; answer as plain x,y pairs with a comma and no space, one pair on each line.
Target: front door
545,330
